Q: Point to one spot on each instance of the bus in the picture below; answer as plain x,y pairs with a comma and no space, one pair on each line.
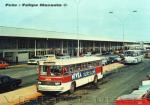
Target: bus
133,56
62,75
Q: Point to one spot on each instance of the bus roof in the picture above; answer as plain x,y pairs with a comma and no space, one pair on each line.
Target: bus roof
69,61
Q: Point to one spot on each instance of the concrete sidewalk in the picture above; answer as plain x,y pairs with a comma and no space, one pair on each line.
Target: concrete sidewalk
19,96
110,67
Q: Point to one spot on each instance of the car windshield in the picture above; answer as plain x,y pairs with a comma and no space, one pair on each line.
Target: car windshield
2,62
63,57
53,70
112,57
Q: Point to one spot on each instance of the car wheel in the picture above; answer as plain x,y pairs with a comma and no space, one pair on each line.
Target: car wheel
13,86
6,67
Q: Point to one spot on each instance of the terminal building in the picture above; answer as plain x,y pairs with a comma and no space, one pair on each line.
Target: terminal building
22,44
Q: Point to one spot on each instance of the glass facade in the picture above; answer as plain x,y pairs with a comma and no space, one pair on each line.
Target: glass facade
11,46
8,43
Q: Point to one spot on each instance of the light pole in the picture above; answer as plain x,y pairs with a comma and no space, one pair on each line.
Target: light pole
77,26
122,24
35,48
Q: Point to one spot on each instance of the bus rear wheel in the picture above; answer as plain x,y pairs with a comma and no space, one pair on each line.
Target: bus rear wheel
72,88
95,81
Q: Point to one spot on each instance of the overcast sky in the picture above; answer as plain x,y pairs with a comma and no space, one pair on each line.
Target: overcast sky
94,17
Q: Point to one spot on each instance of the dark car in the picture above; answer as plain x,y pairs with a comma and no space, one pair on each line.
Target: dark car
63,56
8,83
106,52
113,59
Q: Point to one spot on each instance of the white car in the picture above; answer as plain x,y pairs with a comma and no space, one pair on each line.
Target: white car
88,54
36,59
104,61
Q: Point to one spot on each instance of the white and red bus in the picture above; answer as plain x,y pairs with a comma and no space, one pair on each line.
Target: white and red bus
63,75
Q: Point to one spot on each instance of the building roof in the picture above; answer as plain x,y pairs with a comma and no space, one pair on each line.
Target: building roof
33,33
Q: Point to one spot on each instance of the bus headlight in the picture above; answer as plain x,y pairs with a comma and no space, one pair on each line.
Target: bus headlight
39,83
57,83
135,60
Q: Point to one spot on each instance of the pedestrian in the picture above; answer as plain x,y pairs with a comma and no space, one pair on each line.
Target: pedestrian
16,59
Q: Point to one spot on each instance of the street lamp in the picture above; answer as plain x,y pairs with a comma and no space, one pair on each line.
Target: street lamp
77,26
122,24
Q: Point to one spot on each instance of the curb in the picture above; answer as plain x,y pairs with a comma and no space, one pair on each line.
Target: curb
19,65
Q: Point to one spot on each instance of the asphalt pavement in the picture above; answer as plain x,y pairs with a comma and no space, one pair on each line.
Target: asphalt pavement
28,73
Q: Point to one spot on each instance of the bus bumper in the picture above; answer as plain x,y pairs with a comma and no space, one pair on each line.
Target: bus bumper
49,88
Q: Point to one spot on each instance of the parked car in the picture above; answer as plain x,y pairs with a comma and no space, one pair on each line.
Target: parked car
87,54
147,54
98,55
140,96
106,52
35,59
114,58
50,57
63,56
8,83
105,61
136,98
3,65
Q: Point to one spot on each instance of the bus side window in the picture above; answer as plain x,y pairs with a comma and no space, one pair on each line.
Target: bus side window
78,67
72,67
89,65
100,63
84,66
43,70
66,70
95,64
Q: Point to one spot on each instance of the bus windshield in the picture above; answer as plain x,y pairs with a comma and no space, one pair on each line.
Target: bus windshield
131,53
51,70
